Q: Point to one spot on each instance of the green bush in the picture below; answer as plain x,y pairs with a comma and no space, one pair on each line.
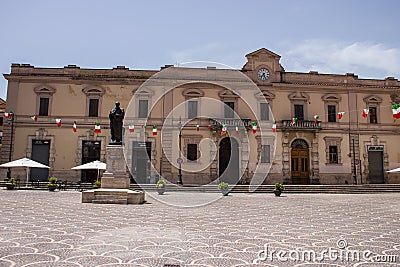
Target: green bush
11,181
161,183
223,186
279,187
97,183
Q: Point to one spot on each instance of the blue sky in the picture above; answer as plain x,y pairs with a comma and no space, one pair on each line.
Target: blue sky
331,36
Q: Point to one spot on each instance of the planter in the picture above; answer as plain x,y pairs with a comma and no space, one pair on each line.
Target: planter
10,186
225,191
277,193
52,188
161,190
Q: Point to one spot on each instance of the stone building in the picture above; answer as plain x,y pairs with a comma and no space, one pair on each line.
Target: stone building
311,144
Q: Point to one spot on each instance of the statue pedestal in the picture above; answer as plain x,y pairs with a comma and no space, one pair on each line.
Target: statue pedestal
114,182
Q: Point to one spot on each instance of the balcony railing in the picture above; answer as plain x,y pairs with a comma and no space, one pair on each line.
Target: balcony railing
230,122
301,124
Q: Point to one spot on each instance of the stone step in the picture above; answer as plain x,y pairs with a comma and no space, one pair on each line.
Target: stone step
110,201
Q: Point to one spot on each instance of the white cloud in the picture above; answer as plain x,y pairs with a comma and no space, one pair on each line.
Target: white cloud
368,60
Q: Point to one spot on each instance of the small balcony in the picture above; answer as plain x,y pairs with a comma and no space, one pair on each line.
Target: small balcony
216,122
301,124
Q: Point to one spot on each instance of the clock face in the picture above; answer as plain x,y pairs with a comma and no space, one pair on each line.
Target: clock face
263,74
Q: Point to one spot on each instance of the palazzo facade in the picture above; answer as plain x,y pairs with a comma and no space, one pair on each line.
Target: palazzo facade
321,134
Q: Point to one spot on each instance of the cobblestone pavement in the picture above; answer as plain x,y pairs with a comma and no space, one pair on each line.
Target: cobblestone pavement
39,228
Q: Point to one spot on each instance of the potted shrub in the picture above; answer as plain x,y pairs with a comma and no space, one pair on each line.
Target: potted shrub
52,185
10,184
224,187
160,185
97,184
278,189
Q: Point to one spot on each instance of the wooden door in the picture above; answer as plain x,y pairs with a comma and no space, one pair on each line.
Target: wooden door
300,166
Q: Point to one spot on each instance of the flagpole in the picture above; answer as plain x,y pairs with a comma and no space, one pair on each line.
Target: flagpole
11,144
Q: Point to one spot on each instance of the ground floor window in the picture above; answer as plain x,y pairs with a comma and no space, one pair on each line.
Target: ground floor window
333,154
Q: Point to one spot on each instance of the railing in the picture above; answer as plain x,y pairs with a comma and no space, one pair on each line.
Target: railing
230,122
301,124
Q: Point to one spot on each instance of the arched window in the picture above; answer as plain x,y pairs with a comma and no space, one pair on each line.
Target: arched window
93,100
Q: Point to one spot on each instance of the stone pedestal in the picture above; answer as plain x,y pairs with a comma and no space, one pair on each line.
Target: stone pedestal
114,182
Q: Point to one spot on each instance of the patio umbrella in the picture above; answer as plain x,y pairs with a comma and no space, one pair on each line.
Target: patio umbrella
395,170
94,165
25,163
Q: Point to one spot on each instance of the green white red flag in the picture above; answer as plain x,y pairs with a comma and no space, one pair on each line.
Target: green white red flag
274,126
154,130
237,129
74,127
7,115
197,127
97,128
365,112
34,118
254,127
223,131
131,128
294,120
396,111
58,121
316,117
340,115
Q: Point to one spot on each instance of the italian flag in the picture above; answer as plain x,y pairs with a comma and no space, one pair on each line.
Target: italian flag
131,128
223,131
197,127
209,126
97,128
254,127
237,130
294,120
396,111
340,115
316,117
7,115
58,121
74,127
144,126
154,130
274,126
365,112
34,118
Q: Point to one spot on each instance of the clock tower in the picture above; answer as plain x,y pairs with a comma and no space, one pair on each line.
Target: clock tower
263,67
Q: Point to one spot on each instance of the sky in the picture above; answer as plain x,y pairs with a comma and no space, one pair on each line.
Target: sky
330,36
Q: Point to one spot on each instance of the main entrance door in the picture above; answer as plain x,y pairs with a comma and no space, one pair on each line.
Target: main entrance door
40,153
229,160
375,159
90,152
300,162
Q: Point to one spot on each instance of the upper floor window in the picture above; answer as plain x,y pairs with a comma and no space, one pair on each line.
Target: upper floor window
373,117
299,112
229,109
44,106
331,106
264,111
93,100
44,97
299,101
192,109
332,114
93,107
143,108
373,103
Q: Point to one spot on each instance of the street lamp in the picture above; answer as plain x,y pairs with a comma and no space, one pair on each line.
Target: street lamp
180,153
11,118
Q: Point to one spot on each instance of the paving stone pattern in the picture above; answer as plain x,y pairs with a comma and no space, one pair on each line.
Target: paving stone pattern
39,228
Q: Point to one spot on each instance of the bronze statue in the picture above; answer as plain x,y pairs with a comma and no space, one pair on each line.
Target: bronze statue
116,120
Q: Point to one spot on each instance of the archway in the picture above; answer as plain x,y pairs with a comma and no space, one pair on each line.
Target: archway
300,162
229,160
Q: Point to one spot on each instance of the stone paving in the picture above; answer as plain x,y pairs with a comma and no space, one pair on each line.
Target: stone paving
39,228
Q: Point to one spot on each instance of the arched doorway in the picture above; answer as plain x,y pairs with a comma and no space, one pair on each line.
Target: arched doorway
300,162
229,160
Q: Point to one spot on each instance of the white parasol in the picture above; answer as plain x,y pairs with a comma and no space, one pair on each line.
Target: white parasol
26,163
94,165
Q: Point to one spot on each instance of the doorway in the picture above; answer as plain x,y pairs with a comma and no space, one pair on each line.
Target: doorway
40,153
141,162
229,161
375,166
300,162
90,152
